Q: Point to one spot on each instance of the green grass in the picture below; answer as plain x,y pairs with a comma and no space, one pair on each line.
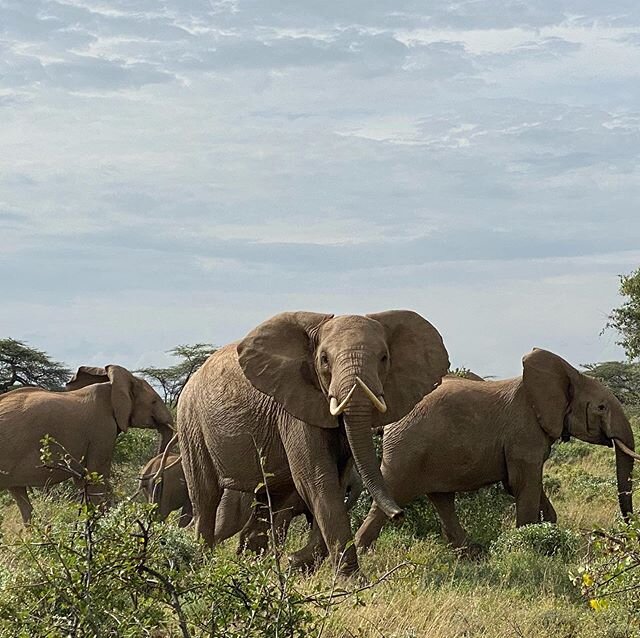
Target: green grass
525,582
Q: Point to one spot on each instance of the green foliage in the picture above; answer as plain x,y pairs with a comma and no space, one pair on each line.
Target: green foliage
22,365
623,379
626,318
464,373
542,538
611,572
565,452
484,513
172,379
88,573
136,447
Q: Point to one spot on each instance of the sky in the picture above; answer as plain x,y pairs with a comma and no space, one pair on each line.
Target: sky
177,171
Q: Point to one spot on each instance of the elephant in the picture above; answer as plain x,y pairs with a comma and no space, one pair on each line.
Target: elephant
83,422
468,434
255,532
289,405
171,492
236,512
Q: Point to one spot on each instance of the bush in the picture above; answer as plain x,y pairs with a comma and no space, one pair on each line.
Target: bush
611,571
88,573
541,538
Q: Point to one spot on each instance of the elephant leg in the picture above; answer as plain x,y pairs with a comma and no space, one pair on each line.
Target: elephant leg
202,481
313,553
254,536
233,512
371,527
445,506
314,467
547,510
525,480
24,504
208,500
186,514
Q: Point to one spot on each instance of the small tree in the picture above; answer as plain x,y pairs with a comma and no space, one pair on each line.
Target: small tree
623,379
21,365
626,318
172,379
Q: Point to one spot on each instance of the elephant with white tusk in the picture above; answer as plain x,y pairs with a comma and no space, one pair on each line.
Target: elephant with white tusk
166,487
468,434
293,402
83,423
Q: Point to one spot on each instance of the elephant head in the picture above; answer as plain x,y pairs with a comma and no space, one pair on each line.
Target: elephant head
569,403
134,402
358,371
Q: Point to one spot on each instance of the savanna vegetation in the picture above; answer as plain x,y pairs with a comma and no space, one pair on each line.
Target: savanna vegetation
86,571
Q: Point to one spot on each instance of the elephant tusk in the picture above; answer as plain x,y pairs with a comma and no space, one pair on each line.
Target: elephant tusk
336,409
378,402
627,450
174,439
173,463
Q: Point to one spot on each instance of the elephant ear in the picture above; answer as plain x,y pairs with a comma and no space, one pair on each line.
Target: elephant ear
549,382
86,375
122,384
277,357
418,360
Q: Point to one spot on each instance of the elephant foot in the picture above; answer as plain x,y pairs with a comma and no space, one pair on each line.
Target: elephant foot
254,543
305,561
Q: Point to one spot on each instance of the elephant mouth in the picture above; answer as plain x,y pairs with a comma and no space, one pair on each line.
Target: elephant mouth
337,409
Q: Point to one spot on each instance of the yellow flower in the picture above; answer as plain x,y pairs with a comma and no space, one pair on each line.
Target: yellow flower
598,604
587,579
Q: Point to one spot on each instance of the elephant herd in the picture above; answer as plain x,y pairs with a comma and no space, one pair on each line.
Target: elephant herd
286,417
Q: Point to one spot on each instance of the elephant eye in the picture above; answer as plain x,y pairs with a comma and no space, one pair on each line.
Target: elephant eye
384,358
324,359
602,407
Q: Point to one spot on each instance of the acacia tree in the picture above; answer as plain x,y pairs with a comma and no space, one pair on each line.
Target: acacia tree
172,379
623,379
22,365
626,318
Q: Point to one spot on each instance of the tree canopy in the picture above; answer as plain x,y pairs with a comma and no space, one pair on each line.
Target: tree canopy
626,318
22,365
623,379
172,379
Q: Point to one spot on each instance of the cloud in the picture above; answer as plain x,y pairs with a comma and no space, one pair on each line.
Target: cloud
178,171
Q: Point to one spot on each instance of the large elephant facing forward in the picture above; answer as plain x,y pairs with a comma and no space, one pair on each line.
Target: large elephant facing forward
302,392
99,404
468,434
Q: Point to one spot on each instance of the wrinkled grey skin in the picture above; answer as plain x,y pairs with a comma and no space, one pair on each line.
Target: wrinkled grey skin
269,396
85,421
236,512
256,531
468,434
168,491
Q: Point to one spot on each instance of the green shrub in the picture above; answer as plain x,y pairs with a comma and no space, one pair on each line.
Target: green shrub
564,452
541,538
611,572
483,513
87,573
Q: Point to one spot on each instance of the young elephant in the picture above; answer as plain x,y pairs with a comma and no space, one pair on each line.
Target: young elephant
468,434
169,491
83,423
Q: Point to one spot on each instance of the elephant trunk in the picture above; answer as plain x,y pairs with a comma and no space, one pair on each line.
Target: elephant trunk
358,429
622,435
357,417
353,390
624,469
